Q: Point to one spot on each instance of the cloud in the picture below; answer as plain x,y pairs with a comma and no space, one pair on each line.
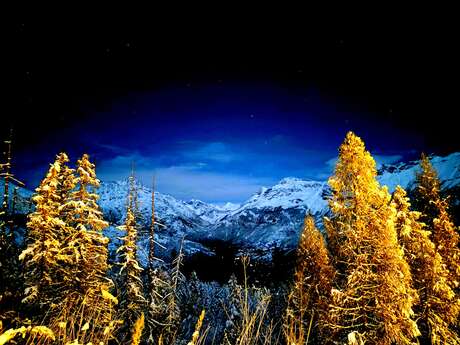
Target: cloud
213,151
184,181
221,171
330,163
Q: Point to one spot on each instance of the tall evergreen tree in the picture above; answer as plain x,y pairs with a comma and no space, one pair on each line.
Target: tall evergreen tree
435,213
157,310
132,298
10,274
66,263
427,191
446,238
44,263
309,296
439,307
87,245
373,298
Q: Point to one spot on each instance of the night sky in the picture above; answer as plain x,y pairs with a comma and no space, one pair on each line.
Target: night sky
219,106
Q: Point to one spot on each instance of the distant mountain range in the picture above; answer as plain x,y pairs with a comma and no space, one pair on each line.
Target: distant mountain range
271,218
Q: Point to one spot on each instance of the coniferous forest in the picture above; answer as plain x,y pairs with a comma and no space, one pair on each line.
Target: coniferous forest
378,268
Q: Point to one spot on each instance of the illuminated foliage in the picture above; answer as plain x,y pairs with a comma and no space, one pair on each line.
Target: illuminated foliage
373,298
307,301
45,265
427,190
132,299
66,263
87,245
434,208
438,308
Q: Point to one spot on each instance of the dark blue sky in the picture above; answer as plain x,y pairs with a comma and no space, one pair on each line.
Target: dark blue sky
218,141
221,105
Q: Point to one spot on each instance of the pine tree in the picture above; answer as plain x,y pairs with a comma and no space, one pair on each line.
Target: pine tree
152,240
87,245
174,283
427,191
132,298
373,298
67,262
435,213
439,307
44,263
10,274
157,285
307,301
446,238
85,248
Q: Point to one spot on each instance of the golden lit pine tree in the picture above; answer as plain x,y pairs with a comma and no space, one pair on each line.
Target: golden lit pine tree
86,253
132,298
434,208
373,298
87,245
66,263
427,191
309,296
446,238
438,308
44,263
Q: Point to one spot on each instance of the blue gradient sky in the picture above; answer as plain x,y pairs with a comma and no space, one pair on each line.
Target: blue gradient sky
218,141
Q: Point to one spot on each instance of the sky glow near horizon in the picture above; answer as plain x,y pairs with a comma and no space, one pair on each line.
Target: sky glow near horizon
218,143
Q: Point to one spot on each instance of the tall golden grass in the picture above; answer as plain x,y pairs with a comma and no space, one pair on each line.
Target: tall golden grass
253,326
81,319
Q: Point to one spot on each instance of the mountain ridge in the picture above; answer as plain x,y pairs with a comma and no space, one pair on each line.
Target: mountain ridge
270,218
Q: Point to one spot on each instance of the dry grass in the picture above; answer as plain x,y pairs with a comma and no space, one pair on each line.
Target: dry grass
196,338
81,319
137,331
23,331
251,326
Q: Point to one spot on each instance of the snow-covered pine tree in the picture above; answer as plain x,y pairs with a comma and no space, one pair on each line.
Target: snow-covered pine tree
44,264
313,277
373,298
172,297
157,309
151,264
438,308
427,191
9,250
4,262
435,213
87,245
85,279
446,238
132,300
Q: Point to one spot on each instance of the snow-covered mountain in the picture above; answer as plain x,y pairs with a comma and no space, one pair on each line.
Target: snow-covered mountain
271,218
403,173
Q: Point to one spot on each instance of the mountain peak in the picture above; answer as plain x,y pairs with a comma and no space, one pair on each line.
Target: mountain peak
290,180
